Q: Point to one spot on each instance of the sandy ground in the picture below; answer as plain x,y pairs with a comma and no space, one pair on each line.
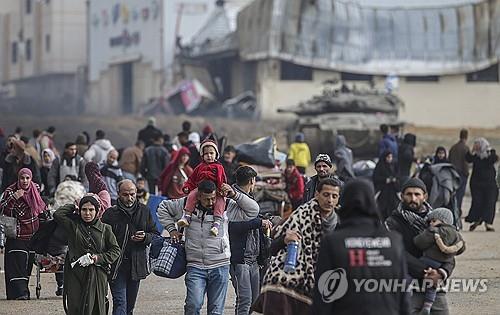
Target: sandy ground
163,296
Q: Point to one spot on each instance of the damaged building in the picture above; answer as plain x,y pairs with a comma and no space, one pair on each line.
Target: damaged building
445,54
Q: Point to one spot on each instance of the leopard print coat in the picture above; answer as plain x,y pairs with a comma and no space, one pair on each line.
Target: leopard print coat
299,285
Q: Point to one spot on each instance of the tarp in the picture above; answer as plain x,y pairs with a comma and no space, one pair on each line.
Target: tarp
259,152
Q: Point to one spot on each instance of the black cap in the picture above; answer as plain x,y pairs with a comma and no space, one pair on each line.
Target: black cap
414,183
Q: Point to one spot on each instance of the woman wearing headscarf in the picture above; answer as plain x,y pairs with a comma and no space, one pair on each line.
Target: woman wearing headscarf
48,158
343,159
92,248
386,184
22,201
15,160
483,185
175,175
97,186
441,156
363,247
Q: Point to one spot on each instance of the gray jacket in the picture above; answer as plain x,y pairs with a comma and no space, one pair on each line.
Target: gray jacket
203,250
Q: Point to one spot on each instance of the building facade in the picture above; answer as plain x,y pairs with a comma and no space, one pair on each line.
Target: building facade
44,55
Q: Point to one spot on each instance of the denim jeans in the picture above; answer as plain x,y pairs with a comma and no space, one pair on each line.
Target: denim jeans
124,291
246,283
212,282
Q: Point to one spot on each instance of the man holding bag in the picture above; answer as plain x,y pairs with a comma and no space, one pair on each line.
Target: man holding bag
134,228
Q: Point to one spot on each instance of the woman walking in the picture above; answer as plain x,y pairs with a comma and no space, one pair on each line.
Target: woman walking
483,185
22,201
92,248
385,179
175,174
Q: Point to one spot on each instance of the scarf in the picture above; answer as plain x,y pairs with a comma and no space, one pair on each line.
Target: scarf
94,200
169,171
52,158
96,183
416,221
128,210
31,194
484,148
300,284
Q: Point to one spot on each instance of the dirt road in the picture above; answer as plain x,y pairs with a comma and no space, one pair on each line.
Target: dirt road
162,296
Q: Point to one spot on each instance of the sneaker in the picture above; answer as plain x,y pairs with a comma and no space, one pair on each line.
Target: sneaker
184,221
59,291
214,230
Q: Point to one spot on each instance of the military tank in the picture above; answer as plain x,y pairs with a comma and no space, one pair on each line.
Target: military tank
356,114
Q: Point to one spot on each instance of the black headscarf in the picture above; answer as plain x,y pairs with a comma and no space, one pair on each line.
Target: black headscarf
438,160
358,200
93,200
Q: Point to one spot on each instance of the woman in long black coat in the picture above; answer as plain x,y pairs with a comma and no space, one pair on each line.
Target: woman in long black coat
483,186
385,179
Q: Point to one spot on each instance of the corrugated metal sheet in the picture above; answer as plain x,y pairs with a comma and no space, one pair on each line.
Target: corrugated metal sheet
349,36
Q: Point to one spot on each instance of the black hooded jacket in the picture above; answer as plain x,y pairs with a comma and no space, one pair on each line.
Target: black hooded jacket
406,154
124,226
358,246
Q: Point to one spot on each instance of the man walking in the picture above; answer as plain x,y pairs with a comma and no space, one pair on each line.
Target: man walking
360,220
70,163
154,160
208,256
245,239
99,150
130,161
409,220
134,228
323,166
457,158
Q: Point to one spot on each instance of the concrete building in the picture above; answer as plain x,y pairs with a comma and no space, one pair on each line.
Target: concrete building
133,46
44,55
445,54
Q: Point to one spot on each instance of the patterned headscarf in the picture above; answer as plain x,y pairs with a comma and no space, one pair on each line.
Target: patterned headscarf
96,183
31,194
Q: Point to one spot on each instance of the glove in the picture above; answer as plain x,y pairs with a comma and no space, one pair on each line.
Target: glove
84,261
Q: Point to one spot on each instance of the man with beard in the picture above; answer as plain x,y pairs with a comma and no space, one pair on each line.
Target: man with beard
323,166
134,228
409,220
69,164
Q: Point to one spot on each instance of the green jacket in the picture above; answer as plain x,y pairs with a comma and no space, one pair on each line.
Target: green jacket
85,288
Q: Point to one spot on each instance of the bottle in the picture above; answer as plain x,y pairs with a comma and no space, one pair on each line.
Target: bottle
2,237
291,257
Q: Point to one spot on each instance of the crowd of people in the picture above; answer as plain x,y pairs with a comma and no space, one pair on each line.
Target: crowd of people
406,215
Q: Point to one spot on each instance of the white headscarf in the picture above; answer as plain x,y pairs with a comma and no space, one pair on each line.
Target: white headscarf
484,147
52,157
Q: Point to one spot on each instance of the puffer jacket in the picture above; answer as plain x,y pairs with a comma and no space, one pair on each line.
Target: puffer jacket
203,250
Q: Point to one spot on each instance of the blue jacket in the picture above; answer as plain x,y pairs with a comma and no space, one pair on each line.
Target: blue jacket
388,143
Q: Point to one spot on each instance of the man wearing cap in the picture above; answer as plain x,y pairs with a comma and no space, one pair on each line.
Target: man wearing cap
409,219
323,166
